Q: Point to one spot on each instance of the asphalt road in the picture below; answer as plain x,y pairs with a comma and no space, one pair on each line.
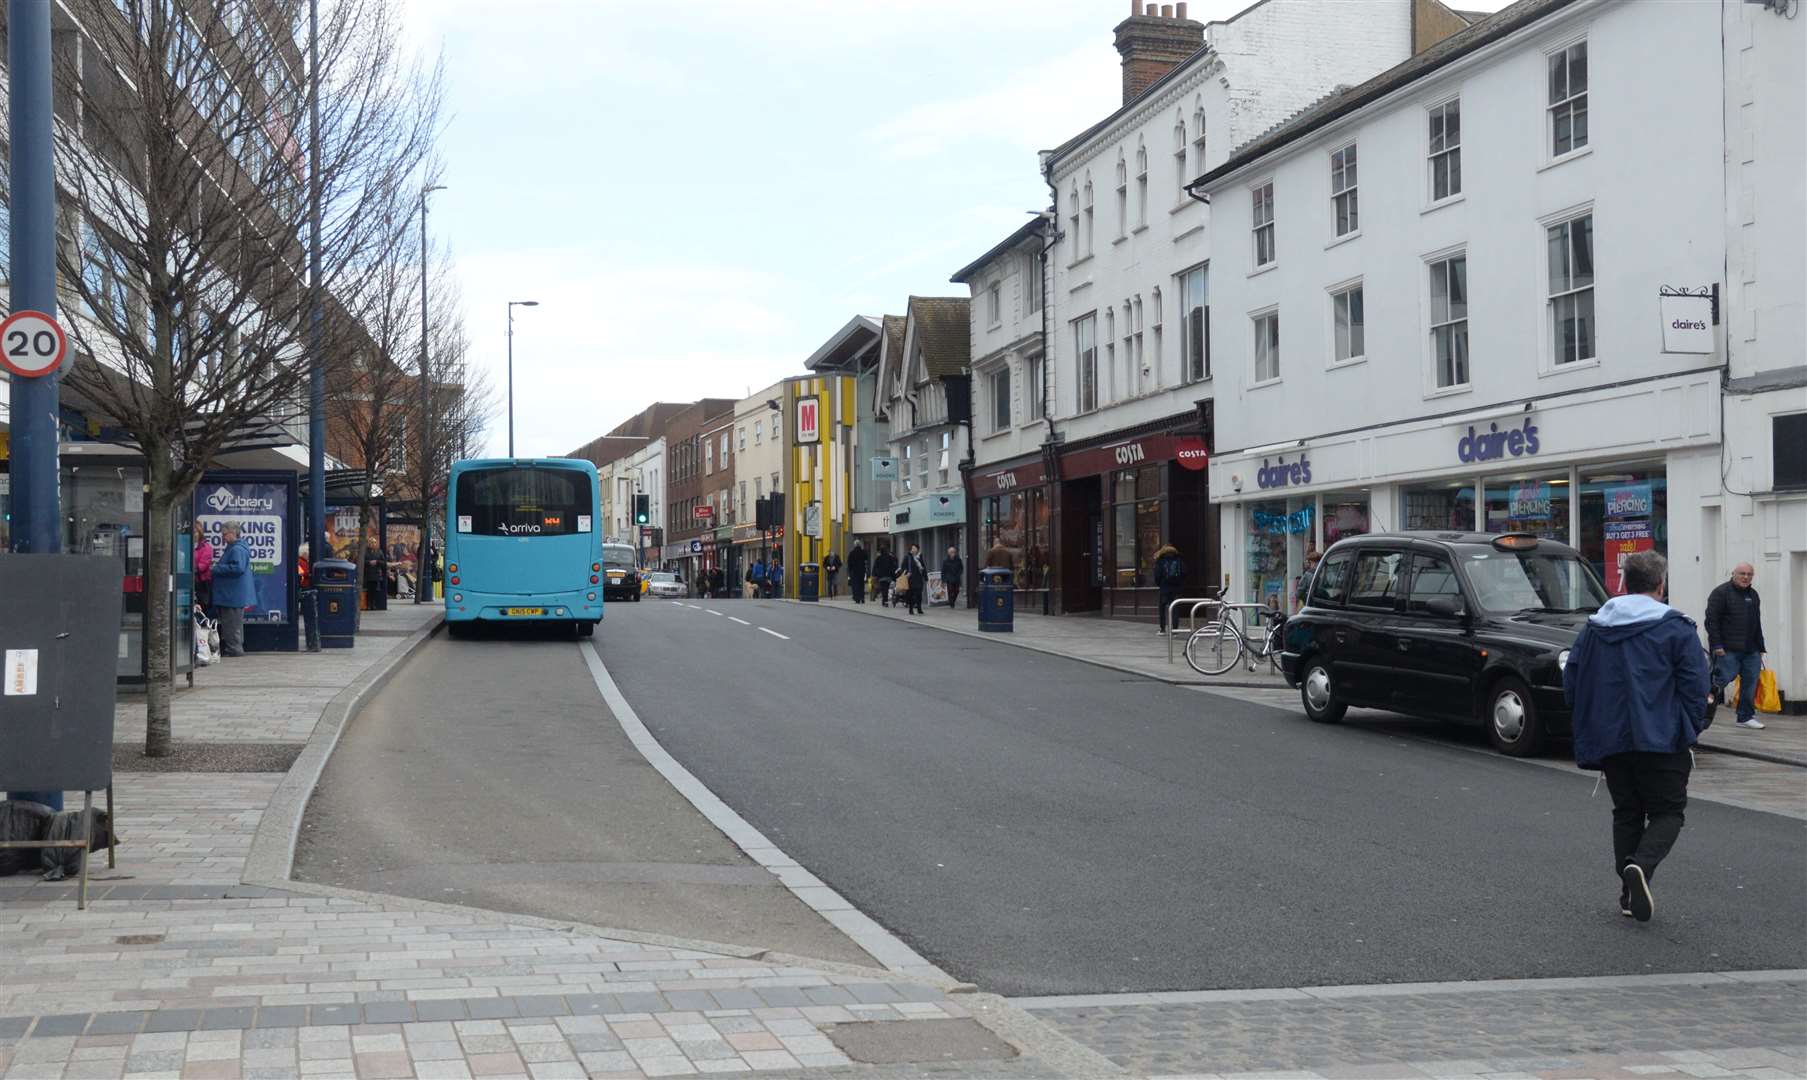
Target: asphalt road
489,772
1039,826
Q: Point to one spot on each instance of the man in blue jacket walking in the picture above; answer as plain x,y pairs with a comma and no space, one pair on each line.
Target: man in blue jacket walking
233,589
1638,682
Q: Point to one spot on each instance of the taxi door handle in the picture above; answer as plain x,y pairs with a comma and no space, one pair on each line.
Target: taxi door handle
1405,645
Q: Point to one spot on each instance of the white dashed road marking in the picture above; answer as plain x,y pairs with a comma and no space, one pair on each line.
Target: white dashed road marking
742,622
712,611
774,633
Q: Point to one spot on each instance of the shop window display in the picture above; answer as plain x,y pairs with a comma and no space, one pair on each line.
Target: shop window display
1538,505
1345,515
1137,508
1439,509
1624,510
1278,532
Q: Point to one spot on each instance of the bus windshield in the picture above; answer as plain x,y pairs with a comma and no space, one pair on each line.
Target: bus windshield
509,501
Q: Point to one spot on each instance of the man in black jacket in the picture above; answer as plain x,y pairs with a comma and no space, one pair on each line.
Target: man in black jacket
953,572
884,572
831,567
1735,634
856,572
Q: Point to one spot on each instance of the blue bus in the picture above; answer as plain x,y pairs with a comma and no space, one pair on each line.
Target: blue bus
523,543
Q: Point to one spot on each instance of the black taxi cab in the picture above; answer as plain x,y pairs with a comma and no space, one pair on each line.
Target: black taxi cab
1473,627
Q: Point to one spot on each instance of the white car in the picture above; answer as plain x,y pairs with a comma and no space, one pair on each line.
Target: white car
660,583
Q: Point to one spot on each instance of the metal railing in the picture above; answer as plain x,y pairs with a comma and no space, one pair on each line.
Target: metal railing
1191,618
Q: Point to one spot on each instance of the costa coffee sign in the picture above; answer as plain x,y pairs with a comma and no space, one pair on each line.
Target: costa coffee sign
1188,450
992,483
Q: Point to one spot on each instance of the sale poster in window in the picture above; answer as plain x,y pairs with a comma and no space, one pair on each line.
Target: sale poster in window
1623,540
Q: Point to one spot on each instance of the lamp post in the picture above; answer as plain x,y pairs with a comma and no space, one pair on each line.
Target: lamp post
423,571
512,304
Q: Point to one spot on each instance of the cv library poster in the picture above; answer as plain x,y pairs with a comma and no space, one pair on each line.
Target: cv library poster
262,513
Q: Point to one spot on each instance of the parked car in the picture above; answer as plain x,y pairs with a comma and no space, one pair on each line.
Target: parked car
661,583
1473,627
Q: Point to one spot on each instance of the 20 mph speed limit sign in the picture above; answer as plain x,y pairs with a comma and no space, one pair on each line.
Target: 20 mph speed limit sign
32,344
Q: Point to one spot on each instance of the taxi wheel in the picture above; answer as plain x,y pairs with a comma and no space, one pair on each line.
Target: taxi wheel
1511,718
1321,703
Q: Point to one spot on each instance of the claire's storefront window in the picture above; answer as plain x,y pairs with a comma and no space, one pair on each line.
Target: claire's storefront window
1345,514
1624,510
1538,505
1278,533
1438,508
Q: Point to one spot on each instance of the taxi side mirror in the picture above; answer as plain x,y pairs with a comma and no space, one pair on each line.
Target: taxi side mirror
1450,607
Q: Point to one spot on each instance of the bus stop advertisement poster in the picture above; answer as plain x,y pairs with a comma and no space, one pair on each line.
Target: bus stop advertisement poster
265,512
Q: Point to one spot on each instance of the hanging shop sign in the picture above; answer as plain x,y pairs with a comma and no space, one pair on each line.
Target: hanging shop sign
884,468
1687,321
1190,452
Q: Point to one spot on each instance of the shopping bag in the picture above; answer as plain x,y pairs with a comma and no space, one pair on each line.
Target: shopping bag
903,583
1769,699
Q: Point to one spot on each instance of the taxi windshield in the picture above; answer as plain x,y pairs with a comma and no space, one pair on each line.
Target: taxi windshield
1511,581
617,558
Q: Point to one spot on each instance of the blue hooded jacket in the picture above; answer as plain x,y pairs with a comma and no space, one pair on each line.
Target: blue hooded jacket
1637,679
233,586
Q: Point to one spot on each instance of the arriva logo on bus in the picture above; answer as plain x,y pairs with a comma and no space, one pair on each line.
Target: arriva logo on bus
516,530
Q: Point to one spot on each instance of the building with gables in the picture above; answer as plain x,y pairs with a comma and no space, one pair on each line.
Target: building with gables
927,388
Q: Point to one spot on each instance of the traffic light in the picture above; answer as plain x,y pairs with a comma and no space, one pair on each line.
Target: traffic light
777,509
643,512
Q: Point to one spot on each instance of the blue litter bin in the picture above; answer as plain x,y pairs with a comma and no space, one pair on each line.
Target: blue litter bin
997,600
336,582
809,582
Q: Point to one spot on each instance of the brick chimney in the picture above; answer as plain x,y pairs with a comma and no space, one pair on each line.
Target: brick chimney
1153,41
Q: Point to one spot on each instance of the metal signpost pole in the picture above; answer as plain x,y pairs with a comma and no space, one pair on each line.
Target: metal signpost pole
36,505
318,546
423,570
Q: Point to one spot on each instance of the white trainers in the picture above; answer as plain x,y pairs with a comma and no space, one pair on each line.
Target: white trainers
1753,723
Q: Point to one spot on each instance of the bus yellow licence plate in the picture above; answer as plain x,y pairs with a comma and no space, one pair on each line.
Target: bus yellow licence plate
525,611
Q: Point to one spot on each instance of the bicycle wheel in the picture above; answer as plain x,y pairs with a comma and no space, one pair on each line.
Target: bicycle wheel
1214,648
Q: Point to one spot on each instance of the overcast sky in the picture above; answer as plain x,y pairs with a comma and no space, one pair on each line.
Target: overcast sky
700,192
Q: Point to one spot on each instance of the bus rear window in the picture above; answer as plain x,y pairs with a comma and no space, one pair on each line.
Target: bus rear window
522,502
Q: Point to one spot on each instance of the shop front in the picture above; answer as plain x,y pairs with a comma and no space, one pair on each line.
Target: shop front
1120,503
936,521
1594,471
1016,512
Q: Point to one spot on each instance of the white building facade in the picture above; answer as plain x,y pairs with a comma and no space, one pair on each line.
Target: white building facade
1454,298
1008,493
758,470
1763,510
1130,373
922,382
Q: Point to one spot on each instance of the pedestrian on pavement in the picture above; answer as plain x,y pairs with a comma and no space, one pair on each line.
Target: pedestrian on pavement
774,578
756,575
1169,578
375,571
912,578
233,589
1735,634
856,572
953,572
884,572
203,556
832,567
1637,682
1303,588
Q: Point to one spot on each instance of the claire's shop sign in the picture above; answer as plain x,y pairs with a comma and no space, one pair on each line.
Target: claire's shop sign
1494,444
1278,473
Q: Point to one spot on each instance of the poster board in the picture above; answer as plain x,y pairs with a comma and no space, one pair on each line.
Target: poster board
58,632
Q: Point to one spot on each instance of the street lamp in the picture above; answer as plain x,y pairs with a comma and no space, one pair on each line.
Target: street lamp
512,304
423,574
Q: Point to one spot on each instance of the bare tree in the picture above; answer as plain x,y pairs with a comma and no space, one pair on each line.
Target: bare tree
183,251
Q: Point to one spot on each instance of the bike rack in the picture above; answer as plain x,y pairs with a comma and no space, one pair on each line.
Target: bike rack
1191,618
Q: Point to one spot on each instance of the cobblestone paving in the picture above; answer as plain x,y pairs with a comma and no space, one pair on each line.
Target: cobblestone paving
1576,1032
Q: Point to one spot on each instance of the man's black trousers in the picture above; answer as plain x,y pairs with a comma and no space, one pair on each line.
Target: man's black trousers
1649,793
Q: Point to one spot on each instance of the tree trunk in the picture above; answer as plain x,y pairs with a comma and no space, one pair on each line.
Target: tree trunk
157,643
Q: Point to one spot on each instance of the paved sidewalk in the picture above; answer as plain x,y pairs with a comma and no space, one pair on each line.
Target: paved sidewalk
1135,648
181,969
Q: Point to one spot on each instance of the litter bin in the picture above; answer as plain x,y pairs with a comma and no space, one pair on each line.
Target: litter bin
336,582
997,600
809,582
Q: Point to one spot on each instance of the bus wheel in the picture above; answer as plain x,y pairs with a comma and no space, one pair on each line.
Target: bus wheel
586,628
458,631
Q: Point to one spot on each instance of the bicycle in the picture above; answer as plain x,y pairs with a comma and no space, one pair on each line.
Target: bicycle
1218,646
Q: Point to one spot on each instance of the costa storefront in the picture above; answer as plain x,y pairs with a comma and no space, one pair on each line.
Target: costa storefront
1119,502
1016,511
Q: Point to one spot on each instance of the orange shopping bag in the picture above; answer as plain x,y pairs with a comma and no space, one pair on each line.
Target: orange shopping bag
1769,699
